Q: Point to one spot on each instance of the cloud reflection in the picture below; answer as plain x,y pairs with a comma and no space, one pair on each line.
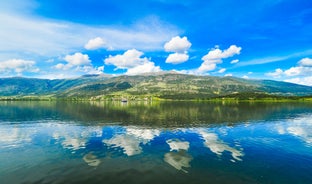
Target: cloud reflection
91,160
74,137
129,144
178,156
176,145
131,139
16,136
217,146
179,160
299,127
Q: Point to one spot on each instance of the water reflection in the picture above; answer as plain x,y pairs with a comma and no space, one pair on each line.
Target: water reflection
12,136
176,145
298,127
91,159
120,142
217,146
155,114
178,156
179,160
130,139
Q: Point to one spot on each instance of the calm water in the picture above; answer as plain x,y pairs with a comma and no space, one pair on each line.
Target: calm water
168,142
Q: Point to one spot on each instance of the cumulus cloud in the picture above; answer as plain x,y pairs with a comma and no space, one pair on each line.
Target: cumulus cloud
78,64
95,43
78,59
148,67
177,58
178,44
180,47
276,74
305,62
18,66
215,57
304,68
295,71
301,72
301,80
133,62
129,59
217,54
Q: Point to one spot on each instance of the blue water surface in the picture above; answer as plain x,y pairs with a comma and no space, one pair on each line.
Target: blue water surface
41,149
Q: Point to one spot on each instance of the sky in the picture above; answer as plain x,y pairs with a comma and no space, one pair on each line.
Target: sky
259,39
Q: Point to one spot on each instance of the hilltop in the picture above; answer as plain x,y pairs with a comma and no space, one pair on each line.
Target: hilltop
168,85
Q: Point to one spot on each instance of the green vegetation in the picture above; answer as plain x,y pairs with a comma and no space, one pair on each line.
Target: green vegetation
163,86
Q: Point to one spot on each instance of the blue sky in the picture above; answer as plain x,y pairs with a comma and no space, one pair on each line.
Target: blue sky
260,39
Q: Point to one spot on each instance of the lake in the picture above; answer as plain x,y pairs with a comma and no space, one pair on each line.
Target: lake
155,142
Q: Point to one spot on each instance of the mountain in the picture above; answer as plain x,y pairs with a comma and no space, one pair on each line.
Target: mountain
164,85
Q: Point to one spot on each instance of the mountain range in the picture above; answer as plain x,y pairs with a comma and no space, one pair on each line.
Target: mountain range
168,85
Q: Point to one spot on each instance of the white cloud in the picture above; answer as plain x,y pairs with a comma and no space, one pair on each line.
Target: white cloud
148,67
77,64
234,61
62,66
95,43
301,80
130,58
302,73
245,77
75,60
78,59
217,54
133,62
90,69
18,66
177,58
276,74
305,62
302,70
222,70
180,47
177,44
207,67
215,57
228,75
22,35
295,71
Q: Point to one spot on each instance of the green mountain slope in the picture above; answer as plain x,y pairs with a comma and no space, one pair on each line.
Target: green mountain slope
163,85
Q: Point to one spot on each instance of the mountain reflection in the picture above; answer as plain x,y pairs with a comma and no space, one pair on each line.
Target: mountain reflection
154,114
